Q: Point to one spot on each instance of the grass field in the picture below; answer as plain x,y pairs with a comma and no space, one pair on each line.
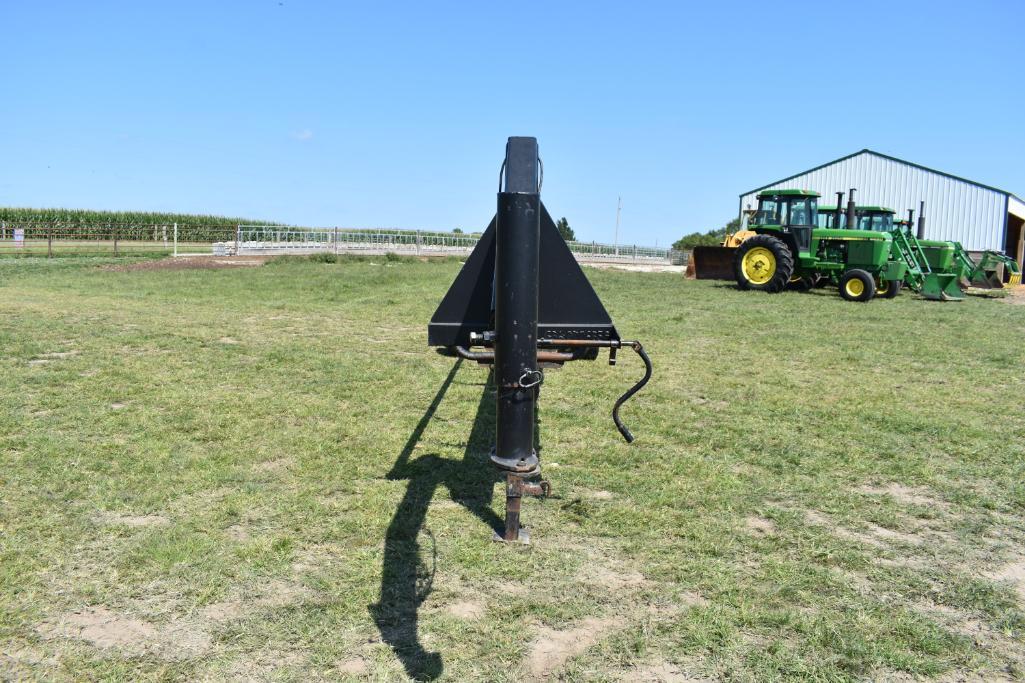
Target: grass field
263,474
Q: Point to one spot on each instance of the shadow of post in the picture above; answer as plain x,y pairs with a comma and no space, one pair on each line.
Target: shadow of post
405,577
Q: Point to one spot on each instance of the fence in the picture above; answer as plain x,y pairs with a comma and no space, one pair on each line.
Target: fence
65,239
283,240
106,239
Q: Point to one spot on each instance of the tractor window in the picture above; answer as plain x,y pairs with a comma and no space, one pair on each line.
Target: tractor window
771,212
803,211
876,222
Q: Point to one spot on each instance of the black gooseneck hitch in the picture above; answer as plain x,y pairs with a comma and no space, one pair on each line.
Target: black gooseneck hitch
523,299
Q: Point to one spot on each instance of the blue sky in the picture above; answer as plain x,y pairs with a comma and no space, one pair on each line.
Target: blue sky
395,114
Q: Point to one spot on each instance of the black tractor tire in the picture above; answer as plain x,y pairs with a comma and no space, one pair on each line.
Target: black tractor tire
780,266
888,289
857,285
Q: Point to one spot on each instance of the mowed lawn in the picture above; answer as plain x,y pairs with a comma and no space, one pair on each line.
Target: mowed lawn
263,473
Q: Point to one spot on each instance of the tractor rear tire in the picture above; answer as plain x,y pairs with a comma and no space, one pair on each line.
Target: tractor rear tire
857,285
888,288
763,263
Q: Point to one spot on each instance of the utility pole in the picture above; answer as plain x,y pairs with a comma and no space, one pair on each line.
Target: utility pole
619,209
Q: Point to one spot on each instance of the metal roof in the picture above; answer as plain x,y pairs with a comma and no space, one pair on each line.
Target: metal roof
884,156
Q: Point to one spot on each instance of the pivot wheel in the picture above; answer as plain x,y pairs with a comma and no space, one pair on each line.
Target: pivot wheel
763,263
857,285
888,288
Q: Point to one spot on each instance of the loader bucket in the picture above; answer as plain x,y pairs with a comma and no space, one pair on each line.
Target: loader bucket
941,287
713,263
986,279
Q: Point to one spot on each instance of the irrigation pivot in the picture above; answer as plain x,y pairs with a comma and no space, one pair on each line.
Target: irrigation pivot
522,300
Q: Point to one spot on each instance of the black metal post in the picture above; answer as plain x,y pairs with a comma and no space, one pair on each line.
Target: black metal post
852,212
839,210
516,289
921,220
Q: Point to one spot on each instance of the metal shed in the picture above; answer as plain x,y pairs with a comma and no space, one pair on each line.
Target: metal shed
978,216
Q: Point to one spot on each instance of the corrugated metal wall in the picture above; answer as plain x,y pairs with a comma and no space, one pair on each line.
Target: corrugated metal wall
954,210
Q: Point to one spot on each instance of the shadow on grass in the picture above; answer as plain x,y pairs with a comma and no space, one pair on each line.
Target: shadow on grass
406,577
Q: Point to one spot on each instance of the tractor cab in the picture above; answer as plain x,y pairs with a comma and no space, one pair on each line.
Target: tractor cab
827,218
792,212
875,218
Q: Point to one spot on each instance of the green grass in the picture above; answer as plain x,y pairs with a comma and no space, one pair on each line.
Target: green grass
263,473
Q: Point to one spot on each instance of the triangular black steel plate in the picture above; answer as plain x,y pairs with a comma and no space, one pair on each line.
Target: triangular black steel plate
568,307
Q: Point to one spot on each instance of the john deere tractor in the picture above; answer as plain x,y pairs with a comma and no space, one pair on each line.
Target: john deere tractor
946,268
789,248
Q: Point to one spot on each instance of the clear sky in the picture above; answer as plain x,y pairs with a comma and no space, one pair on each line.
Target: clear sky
395,114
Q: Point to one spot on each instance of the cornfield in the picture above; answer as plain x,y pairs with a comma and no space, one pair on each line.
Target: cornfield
109,225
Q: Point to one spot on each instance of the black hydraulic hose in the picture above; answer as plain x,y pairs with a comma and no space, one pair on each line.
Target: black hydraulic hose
636,346
610,344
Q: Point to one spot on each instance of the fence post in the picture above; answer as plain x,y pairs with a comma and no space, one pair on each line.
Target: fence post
336,239
417,242
175,239
238,235
3,230
49,242
115,240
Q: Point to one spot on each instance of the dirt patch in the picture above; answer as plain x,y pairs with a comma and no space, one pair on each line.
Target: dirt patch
238,533
271,465
1015,295
552,649
220,612
1013,573
117,519
760,526
662,672
59,354
876,537
465,609
104,629
228,341
612,578
355,666
893,536
904,495
637,267
279,593
190,263
117,406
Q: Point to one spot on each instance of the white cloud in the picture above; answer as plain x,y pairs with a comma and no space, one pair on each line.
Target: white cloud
302,135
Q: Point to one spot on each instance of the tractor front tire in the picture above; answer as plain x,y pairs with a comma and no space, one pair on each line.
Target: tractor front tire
763,263
857,285
888,288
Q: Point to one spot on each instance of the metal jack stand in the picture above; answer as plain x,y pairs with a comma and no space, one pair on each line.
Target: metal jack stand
516,486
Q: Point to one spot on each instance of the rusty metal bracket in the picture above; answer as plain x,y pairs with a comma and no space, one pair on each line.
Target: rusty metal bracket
517,486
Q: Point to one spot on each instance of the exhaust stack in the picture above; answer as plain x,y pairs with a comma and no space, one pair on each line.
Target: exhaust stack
852,218
921,220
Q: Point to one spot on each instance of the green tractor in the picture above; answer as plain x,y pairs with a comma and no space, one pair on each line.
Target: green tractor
789,248
947,269
929,274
